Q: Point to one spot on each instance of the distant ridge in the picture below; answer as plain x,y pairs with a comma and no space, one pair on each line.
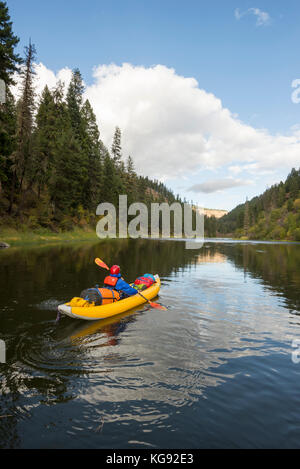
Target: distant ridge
211,212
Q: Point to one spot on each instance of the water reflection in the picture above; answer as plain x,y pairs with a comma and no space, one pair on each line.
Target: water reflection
210,256
218,358
277,265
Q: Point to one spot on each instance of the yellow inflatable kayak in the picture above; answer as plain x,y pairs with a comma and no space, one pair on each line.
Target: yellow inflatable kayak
94,313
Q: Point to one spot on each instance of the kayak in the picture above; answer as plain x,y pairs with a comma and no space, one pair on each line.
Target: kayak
94,313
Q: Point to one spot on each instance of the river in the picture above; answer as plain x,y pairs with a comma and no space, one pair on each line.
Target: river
217,369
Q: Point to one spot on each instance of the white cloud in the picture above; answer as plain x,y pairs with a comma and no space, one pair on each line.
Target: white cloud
218,185
262,17
237,14
172,128
235,169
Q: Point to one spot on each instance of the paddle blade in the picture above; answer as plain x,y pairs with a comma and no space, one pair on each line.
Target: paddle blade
100,263
157,306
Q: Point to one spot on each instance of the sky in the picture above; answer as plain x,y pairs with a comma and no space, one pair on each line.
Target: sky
207,94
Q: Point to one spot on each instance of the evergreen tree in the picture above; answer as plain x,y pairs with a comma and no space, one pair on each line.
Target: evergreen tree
67,176
67,181
92,148
81,132
7,141
110,182
130,166
44,140
25,109
130,181
293,183
9,60
116,148
74,102
281,195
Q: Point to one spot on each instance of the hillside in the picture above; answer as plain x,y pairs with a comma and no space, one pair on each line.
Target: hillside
274,215
211,212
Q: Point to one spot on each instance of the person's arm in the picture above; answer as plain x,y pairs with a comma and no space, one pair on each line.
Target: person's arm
126,288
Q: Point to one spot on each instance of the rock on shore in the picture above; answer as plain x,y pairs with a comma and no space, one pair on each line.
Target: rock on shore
3,245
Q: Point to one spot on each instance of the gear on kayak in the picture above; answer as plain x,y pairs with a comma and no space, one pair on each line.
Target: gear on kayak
100,296
144,281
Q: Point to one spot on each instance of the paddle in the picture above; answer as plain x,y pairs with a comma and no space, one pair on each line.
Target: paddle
154,305
102,264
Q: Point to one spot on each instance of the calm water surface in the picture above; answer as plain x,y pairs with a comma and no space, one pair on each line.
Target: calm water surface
214,370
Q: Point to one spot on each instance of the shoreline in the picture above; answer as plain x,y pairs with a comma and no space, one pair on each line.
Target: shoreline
13,237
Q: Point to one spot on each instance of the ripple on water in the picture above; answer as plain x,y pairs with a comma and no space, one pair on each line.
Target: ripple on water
215,369
49,305
47,354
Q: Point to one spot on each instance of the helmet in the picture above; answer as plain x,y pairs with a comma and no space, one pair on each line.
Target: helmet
115,269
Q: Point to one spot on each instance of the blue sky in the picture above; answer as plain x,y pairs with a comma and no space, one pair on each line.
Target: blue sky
245,53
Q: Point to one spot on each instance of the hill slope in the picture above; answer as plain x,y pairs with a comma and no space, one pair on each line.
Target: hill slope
275,214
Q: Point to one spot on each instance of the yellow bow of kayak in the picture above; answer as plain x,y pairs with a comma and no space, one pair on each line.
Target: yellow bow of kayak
106,311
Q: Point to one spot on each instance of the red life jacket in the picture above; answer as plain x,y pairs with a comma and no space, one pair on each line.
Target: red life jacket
111,281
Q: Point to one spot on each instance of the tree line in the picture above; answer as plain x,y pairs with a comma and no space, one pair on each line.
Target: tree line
275,214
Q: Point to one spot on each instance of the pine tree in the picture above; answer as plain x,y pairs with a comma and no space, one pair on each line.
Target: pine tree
109,181
130,166
9,60
131,181
25,109
92,148
246,218
79,127
44,140
67,176
74,102
281,194
293,183
116,148
67,181
7,141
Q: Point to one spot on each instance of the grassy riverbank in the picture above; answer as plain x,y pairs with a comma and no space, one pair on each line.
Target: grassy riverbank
14,237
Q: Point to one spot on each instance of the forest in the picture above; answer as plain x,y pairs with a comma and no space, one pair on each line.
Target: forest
54,167
274,215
